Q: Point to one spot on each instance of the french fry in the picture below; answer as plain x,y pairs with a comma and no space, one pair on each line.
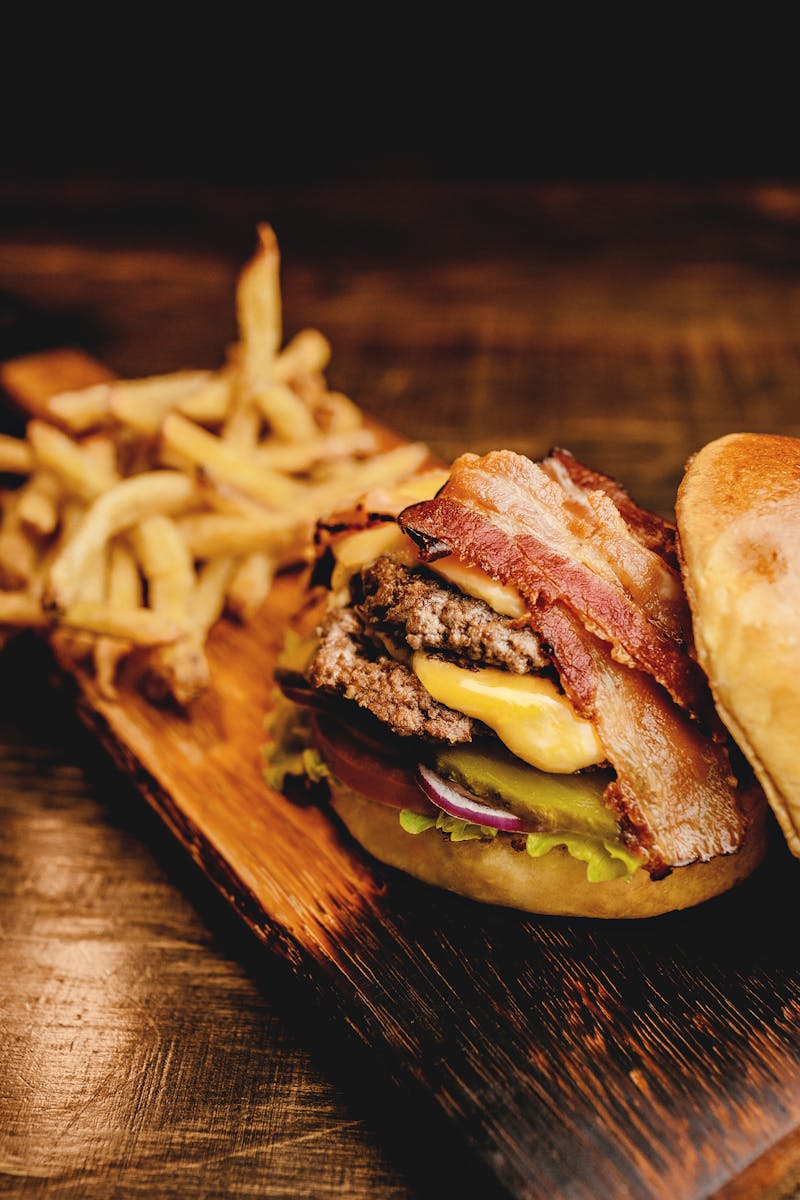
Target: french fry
16,456
167,566
108,654
23,609
18,551
82,410
310,387
142,404
308,351
250,585
258,310
288,416
79,471
208,535
208,602
384,469
70,647
72,514
102,449
91,589
210,404
258,305
70,517
266,374
242,426
124,593
139,626
220,498
254,574
422,485
180,670
124,581
295,457
337,414
123,506
39,503
225,463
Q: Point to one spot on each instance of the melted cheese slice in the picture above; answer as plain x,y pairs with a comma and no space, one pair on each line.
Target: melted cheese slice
501,597
527,712
359,550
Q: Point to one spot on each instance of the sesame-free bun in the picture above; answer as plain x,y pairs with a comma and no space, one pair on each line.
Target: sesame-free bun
738,513
495,873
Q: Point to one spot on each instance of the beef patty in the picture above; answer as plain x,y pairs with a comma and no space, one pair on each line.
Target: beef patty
347,664
428,614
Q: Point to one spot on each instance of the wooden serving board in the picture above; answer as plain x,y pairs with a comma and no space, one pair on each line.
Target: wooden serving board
571,1058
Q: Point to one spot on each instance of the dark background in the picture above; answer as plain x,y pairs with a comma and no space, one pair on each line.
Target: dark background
303,97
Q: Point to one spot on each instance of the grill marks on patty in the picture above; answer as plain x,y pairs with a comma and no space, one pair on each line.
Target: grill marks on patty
348,666
410,608
429,615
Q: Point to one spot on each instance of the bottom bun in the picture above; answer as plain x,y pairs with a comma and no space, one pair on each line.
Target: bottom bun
495,873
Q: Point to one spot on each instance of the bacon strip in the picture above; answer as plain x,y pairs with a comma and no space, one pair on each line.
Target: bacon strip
577,480
674,791
622,591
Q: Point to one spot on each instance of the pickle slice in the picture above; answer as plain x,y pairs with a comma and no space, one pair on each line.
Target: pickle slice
551,802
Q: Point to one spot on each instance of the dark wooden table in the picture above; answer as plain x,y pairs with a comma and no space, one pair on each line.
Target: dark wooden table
149,1046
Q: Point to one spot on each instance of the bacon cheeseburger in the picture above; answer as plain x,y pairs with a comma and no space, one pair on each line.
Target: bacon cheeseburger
502,699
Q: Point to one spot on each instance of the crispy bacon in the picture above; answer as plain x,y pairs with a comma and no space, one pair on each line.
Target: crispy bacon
674,791
614,614
588,559
578,480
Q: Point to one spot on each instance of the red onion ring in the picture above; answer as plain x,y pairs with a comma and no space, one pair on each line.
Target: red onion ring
458,802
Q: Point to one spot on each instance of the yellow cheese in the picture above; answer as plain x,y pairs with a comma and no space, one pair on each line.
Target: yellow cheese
475,582
527,712
358,550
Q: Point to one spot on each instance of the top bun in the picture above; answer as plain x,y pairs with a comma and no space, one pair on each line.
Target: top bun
738,513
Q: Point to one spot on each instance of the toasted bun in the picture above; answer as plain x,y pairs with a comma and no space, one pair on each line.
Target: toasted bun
738,512
492,871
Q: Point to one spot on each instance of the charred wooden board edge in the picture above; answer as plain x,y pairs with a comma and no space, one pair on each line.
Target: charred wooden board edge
774,1175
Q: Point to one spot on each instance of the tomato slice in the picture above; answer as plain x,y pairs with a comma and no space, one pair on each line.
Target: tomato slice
372,775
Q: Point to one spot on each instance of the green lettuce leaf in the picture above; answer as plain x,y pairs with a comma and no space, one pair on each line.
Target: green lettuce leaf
604,860
415,822
455,828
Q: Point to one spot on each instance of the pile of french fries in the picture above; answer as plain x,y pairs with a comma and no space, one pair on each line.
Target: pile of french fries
149,508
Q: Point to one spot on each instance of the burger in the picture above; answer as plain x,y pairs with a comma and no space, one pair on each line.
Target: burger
495,684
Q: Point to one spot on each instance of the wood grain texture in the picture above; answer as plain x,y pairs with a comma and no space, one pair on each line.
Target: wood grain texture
139,1059
631,325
